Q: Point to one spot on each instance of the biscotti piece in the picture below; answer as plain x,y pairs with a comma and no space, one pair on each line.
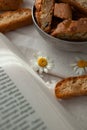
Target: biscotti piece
12,20
38,5
38,9
63,11
72,30
79,4
45,15
37,16
71,87
10,4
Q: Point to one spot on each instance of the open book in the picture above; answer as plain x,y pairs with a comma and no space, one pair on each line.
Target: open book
25,101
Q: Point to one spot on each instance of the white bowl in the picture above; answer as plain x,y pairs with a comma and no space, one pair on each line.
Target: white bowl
74,46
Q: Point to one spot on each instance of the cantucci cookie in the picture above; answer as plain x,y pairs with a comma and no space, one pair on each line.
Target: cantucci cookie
71,87
44,13
79,4
12,20
72,29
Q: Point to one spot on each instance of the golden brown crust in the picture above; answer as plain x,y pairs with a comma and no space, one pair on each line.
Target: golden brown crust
71,87
72,29
12,20
77,4
44,13
10,4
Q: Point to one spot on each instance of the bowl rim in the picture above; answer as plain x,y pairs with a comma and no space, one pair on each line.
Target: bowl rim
51,37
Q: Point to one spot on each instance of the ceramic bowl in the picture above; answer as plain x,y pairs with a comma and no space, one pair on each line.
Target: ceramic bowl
74,46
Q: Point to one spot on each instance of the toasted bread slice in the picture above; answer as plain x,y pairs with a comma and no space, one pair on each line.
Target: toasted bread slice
79,4
71,87
12,20
63,11
10,4
72,30
45,14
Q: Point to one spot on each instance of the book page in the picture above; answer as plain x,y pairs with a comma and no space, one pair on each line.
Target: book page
15,111
23,105
25,102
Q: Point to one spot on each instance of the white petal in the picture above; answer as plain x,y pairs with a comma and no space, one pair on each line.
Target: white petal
40,57
41,70
45,70
36,64
73,65
49,67
83,71
79,71
45,57
75,68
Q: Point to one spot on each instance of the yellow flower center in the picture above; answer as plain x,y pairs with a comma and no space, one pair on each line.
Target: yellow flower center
42,61
82,63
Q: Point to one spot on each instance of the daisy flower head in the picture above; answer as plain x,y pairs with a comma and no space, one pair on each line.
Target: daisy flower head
41,63
80,67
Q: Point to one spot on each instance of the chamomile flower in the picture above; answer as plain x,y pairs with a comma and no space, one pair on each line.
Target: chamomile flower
80,67
41,63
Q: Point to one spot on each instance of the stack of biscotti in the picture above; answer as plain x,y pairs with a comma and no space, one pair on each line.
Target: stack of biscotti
73,29
16,17
71,87
64,19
